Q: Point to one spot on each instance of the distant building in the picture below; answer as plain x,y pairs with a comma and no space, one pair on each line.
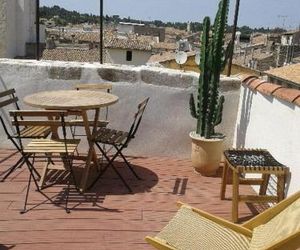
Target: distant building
164,47
184,45
130,51
290,38
160,33
126,28
287,76
142,29
17,18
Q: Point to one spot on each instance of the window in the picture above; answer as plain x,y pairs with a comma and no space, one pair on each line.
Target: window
129,55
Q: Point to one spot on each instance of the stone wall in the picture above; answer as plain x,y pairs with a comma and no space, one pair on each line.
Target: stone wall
167,122
3,30
16,26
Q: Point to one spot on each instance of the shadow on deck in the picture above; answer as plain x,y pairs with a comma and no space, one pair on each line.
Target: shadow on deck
106,217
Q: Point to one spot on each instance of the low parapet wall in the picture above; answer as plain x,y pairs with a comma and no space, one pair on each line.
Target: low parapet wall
167,122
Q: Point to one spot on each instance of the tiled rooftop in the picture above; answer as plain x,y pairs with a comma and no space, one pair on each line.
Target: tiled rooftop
289,72
111,39
134,43
107,217
74,54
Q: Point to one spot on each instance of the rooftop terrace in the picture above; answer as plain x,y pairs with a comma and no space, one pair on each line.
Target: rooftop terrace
107,217
257,114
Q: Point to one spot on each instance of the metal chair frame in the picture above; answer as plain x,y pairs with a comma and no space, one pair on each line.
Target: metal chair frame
120,146
12,100
58,121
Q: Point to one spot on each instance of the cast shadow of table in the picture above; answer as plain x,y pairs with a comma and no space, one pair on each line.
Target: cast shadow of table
108,185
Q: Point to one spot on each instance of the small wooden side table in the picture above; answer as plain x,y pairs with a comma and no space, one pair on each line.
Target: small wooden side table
254,161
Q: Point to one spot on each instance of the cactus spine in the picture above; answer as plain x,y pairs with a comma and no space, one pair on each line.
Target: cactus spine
208,110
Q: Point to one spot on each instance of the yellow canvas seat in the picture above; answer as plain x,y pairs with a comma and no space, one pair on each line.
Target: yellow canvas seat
189,225
190,229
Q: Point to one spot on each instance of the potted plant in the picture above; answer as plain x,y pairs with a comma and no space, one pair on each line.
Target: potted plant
207,145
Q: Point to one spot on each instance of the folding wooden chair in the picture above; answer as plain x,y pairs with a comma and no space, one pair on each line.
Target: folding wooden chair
48,149
118,140
78,122
277,228
7,99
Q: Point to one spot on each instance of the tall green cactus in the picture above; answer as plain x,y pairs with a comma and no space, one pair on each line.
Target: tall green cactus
208,111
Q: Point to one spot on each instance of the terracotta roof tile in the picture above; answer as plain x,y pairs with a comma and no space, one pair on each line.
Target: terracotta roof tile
255,83
135,43
297,101
248,82
74,54
287,94
268,88
111,40
164,45
246,77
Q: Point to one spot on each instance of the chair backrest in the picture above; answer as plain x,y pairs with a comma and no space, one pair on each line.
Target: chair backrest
283,227
137,119
94,86
7,98
277,227
35,118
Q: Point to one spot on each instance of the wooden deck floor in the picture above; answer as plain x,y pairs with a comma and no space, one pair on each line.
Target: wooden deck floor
107,217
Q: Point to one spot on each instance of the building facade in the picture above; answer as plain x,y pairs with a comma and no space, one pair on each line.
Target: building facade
17,27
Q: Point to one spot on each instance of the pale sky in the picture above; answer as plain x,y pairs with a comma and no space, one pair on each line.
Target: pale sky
254,13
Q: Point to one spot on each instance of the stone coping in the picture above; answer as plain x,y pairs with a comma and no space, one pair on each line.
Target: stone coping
117,73
267,88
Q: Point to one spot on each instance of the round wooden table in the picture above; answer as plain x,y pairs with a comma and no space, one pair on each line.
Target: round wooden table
80,101
71,99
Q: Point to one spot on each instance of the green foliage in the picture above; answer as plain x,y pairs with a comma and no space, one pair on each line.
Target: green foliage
66,16
208,110
75,17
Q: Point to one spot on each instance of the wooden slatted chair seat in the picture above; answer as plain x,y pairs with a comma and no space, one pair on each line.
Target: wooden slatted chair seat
111,136
45,146
35,132
79,122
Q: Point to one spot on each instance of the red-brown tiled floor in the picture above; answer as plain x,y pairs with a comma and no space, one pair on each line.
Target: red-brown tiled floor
107,217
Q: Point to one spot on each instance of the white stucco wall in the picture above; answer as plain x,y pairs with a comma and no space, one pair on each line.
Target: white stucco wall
267,122
17,26
118,56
